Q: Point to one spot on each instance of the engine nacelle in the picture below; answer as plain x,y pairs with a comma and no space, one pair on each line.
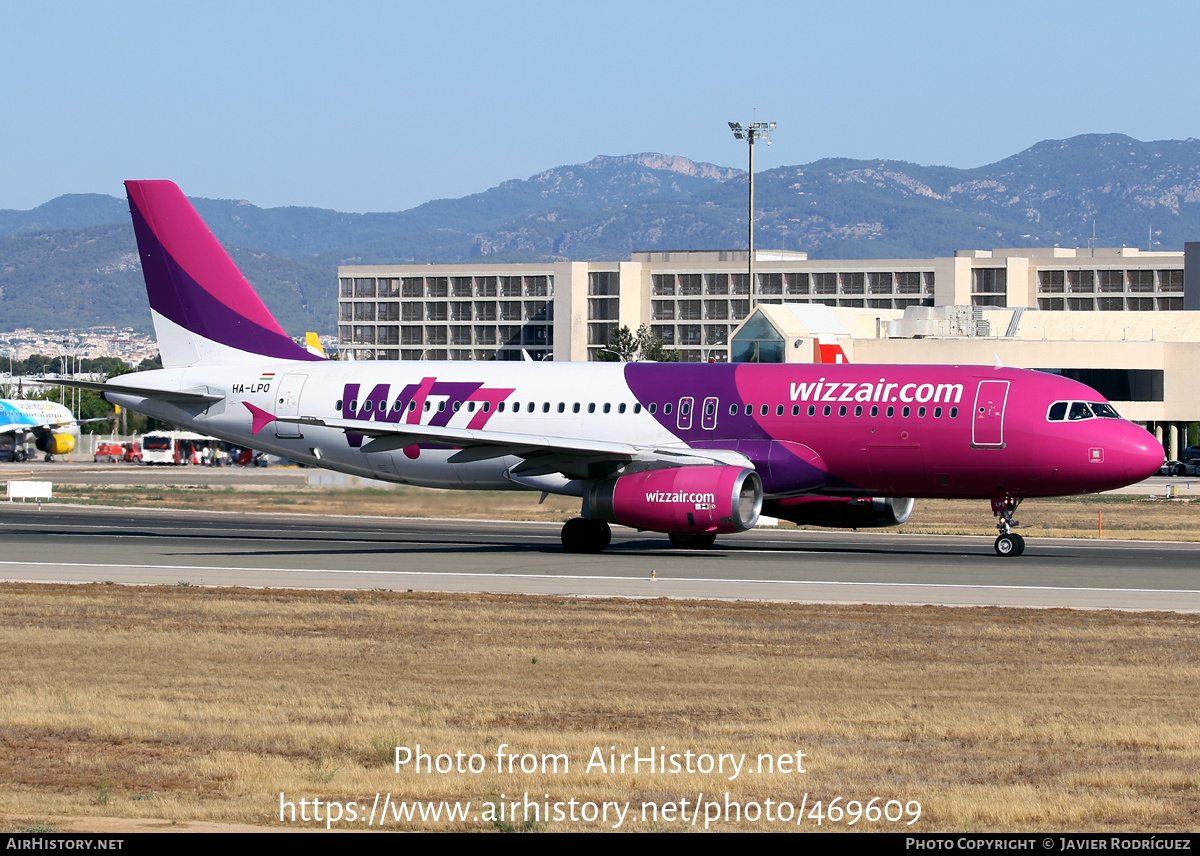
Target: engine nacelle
686,500
55,444
842,512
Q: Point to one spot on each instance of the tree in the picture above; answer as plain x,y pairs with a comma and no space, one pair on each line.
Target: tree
651,348
622,347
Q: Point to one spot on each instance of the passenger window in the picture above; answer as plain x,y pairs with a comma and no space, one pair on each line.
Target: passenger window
874,410
733,408
442,406
778,409
812,410
795,409
457,405
428,405
828,410
842,410
529,407
667,408
953,412
937,413
765,409
907,410
891,411
561,407
338,406
607,407
545,407
367,406
592,407
921,412
653,407
858,410
575,407
637,408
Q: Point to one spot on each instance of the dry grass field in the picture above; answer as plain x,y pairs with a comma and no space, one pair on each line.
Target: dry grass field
187,704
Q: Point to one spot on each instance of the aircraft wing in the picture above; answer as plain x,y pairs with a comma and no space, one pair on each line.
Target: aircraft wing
168,395
573,457
22,428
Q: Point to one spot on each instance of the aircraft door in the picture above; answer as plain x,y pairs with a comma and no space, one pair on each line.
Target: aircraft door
708,417
987,423
684,420
287,404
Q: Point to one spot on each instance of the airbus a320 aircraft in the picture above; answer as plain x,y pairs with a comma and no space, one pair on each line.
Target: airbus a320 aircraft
693,451
54,428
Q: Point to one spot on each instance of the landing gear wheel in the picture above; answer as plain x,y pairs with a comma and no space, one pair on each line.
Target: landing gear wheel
580,535
689,541
1011,544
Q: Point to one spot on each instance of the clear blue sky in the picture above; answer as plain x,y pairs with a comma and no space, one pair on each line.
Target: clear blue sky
379,106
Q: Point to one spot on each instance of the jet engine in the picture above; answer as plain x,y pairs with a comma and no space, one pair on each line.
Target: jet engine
842,512
55,444
694,499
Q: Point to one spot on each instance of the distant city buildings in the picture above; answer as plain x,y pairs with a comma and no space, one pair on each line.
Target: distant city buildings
90,343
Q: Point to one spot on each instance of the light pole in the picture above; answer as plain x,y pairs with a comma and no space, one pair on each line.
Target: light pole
751,132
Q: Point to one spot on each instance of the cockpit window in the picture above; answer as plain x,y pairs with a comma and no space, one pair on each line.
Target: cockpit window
1077,411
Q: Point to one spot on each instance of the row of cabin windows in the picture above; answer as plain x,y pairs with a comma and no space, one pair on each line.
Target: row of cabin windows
685,408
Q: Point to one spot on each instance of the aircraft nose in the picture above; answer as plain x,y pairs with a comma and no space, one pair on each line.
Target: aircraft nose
1144,455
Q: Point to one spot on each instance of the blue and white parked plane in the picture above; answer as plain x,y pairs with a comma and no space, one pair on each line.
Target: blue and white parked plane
54,429
689,450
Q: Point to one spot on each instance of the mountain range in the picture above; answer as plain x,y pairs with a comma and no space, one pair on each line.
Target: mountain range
72,262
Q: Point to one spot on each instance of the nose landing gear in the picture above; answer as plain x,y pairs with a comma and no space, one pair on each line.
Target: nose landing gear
1008,543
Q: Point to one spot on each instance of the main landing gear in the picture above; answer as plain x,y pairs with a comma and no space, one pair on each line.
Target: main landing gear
1008,543
581,535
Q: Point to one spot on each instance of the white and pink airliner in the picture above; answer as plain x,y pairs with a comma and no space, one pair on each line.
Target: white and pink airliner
689,450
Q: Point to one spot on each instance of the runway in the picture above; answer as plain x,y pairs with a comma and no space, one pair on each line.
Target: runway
78,544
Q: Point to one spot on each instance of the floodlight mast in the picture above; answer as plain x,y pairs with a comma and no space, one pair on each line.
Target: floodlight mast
751,132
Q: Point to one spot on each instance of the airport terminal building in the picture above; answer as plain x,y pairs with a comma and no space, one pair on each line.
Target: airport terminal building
1122,320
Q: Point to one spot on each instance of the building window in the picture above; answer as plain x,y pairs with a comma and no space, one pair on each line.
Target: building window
603,284
603,308
879,283
796,283
1170,281
852,283
770,283
1141,281
716,283
1052,281
364,287
989,287
908,282
364,311
1111,280
824,283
